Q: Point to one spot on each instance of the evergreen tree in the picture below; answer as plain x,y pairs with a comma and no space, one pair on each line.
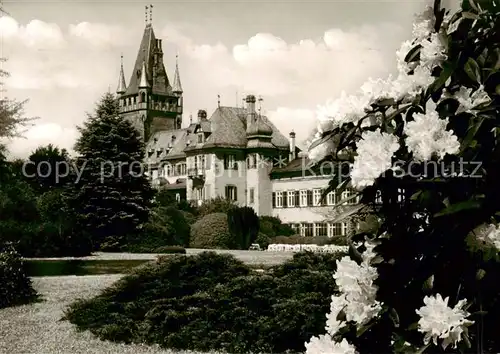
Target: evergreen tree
47,168
111,194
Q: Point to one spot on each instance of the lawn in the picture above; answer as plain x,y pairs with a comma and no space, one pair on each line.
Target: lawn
36,328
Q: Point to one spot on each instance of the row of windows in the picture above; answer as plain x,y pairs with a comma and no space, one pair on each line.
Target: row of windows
156,101
320,229
310,197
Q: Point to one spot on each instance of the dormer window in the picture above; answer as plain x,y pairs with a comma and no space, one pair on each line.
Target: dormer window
200,138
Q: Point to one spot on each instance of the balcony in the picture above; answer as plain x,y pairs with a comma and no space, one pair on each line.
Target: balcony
196,172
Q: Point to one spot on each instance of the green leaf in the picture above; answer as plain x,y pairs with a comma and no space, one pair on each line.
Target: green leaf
413,326
351,211
325,137
364,328
393,315
448,69
470,15
459,207
480,274
413,54
472,70
471,133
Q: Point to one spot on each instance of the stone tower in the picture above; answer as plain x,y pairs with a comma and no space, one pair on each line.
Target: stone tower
149,102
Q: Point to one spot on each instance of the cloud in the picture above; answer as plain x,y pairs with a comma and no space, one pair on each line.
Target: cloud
292,76
98,34
43,134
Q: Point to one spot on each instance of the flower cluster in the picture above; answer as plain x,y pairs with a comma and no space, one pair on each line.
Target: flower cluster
423,132
357,301
438,320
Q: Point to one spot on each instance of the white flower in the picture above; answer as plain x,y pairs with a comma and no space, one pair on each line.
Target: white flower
427,135
437,320
432,52
325,345
375,151
404,67
355,282
469,100
377,89
490,235
337,304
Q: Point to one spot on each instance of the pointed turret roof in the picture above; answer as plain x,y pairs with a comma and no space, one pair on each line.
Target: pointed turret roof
148,48
177,86
143,83
122,86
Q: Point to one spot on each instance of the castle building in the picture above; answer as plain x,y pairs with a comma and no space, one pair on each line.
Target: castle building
236,153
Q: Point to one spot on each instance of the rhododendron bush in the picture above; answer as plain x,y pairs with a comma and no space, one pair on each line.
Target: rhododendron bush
427,280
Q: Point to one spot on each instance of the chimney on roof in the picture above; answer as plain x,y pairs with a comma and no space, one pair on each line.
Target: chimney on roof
202,114
292,146
250,100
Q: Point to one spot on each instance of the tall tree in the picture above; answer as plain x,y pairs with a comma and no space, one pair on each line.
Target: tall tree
47,168
112,197
12,115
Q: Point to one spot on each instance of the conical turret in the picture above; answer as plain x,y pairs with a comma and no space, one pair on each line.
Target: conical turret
177,86
122,86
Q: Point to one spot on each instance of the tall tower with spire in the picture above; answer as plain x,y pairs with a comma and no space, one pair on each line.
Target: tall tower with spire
149,101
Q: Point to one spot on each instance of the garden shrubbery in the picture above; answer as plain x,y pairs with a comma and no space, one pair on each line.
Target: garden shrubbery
214,302
15,286
212,231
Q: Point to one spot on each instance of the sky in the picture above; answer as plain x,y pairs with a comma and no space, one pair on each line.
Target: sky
63,55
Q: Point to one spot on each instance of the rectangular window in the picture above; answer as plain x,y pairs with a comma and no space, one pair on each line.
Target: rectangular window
230,162
252,161
321,229
297,198
378,197
274,199
303,198
309,198
231,193
347,194
330,198
251,195
279,199
401,195
291,198
302,229
335,229
169,169
309,229
200,138
317,197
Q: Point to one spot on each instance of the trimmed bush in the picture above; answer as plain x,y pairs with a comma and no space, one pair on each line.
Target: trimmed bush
167,227
212,302
215,205
212,232
15,286
263,240
274,227
243,225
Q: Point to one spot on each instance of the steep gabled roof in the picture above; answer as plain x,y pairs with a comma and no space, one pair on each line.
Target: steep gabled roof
145,54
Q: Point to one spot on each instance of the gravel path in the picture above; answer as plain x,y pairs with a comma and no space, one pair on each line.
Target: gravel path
37,329
250,257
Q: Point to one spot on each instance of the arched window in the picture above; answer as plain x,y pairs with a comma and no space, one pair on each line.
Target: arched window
143,97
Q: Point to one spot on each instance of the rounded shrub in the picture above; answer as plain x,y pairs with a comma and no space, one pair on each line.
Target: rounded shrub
15,286
214,302
211,232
